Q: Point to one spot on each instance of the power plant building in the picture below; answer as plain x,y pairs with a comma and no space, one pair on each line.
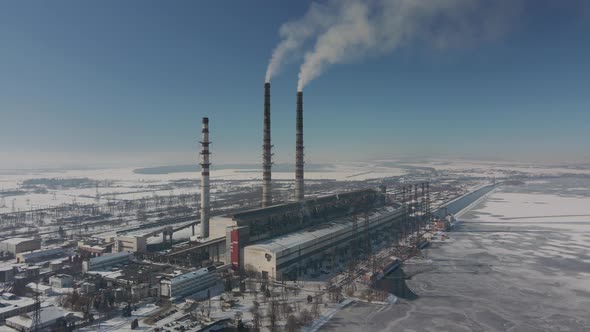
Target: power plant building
273,223
288,256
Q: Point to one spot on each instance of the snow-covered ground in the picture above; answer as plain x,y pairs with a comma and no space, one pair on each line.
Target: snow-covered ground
124,183
518,261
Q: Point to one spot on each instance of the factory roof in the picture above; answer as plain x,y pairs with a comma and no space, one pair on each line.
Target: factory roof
46,317
19,302
109,257
42,253
18,240
38,287
190,275
294,239
255,213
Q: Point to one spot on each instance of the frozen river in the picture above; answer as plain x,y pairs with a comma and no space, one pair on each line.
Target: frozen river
519,262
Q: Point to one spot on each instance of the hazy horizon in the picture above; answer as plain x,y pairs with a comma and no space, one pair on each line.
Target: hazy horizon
126,83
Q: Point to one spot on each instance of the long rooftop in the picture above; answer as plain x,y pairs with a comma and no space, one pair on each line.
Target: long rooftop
291,240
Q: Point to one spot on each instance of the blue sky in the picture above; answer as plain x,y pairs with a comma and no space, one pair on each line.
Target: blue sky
126,83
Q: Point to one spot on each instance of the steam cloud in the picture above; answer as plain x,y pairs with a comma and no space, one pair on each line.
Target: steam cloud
294,34
345,31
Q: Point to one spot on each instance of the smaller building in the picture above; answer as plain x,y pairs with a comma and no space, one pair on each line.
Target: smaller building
88,288
32,272
106,261
41,255
40,288
49,318
130,243
11,305
6,273
17,245
92,250
188,283
61,281
56,265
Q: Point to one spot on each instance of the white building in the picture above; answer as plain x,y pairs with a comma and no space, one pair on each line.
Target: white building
16,245
10,305
61,281
188,283
130,243
286,254
49,317
106,261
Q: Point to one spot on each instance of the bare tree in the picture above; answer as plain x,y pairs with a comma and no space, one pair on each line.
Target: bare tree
272,314
305,317
292,324
256,316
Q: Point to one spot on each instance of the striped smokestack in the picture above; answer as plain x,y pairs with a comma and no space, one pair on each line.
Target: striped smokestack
266,151
299,189
205,207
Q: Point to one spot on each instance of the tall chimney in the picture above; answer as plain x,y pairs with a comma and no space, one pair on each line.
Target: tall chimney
205,207
266,151
299,190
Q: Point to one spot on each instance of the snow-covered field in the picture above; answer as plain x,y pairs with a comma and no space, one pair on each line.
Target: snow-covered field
124,183
520,261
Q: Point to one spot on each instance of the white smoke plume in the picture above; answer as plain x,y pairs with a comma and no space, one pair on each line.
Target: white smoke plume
295,34
349,30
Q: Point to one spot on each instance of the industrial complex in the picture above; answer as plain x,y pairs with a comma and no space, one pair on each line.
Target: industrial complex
294,232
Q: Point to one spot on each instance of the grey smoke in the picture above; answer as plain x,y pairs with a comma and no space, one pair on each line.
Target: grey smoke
344,31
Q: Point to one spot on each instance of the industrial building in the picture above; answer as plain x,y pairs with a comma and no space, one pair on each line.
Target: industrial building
7,273
19,244
281,219
106,262
49,317
188,283
61,281
289,255
41,255
130,243
11,305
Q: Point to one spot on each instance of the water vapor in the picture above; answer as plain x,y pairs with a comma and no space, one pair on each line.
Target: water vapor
344,31
294,34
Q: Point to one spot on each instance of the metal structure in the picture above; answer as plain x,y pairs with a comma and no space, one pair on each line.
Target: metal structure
36,319
299,186
266,152
205,201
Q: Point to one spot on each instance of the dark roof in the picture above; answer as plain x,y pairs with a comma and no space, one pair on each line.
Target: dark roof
265,211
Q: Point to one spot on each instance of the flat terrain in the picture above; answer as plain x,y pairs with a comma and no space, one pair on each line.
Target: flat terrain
520,261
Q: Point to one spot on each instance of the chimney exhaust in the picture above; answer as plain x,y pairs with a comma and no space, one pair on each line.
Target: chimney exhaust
266,151
205,207
299,189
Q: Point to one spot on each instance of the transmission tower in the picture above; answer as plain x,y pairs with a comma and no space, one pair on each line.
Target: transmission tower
35,326
367,235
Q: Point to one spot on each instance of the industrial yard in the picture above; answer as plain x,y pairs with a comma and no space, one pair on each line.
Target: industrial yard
303,166
473,252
